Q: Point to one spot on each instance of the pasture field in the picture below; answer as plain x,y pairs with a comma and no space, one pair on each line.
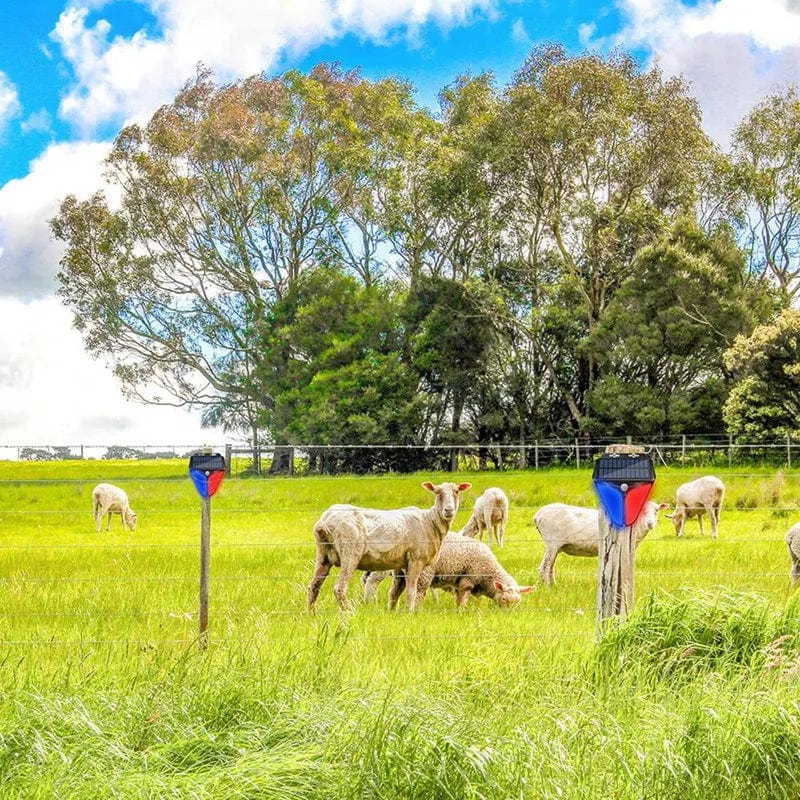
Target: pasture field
105,693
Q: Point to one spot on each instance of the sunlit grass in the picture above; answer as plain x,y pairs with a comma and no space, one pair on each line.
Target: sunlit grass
105,693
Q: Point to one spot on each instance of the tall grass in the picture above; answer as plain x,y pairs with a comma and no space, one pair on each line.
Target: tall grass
106,695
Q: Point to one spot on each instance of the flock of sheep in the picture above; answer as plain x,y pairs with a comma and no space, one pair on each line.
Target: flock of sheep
416,549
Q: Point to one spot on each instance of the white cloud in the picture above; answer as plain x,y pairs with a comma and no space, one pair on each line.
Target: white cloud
55,394
128,78
519,33
9,100
39,121
732,54
30,258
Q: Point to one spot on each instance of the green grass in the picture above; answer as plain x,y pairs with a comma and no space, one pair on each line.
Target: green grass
105,693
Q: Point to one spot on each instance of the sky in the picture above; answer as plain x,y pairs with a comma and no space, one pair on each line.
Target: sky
73,74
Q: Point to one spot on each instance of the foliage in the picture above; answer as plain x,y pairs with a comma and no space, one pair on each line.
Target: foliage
765,401
766,172
661,342
315,257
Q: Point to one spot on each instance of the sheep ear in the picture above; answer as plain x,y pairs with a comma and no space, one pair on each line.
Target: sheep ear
462,487
526,589
662,506
429,486
499,586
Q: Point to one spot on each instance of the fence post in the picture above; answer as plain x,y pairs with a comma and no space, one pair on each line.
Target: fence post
623,478
291,460
536,454
228,462
683,449
577,454
730,449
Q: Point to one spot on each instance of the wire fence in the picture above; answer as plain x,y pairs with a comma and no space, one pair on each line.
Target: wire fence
706,450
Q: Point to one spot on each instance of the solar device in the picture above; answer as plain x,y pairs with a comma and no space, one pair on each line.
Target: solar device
624,483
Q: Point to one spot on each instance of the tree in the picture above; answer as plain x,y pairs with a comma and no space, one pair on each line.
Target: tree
334,349
765,400
766,169
227,196
660,343
595,157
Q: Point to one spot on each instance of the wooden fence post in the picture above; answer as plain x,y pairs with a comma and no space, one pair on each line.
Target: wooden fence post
615,571
616,552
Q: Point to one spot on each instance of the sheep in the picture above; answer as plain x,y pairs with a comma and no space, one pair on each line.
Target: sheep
110,499
464,567
370,539
490,514
698,497
793,543
575,530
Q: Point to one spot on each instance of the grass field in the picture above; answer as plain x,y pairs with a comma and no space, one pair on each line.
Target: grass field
105,693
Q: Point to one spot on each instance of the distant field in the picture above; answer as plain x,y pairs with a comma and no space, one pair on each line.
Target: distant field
106,694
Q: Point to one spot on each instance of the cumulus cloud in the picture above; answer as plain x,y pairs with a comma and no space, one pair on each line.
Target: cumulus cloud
129,78
9,100
732,54
55,394
30,257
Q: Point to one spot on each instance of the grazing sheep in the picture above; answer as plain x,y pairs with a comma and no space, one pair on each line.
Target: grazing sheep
370,539
576,531
490,514
110,499
695,498
793,543
464,567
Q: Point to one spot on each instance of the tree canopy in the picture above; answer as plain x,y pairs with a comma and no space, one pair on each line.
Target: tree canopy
315,258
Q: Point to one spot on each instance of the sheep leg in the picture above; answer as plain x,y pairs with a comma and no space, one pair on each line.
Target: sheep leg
371,581
396,589
412,579
700,520
714,514
462,595
108,524
98,517
547,569
322,568
342,582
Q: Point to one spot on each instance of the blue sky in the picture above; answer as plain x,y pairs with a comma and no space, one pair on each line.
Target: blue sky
73,72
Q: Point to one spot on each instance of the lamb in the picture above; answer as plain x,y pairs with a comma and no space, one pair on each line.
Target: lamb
110,499
576,531
464,567
490,514
695,498
370,539
793,543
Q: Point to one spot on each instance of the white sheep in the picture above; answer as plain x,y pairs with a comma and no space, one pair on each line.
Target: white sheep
575,530
464,567
698,497
371,539
489,514
793,543
110,499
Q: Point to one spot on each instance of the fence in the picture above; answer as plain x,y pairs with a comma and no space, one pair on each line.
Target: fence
311,459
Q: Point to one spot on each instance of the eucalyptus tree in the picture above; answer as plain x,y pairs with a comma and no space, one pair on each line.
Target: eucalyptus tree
215,208
596,155
766,170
